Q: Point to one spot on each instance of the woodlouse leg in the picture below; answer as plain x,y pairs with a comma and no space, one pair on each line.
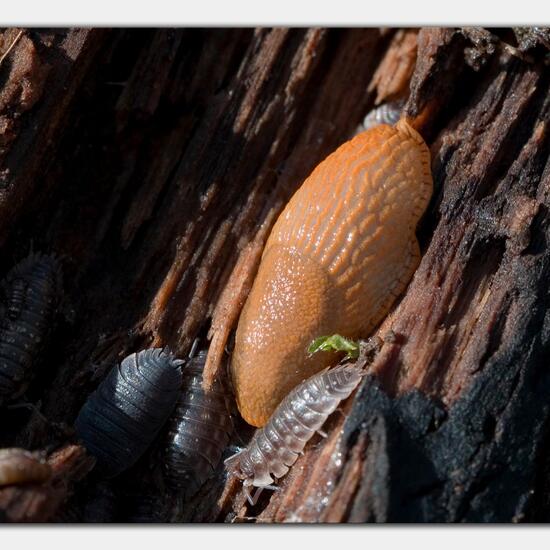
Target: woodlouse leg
256,496
193,349
322,433
235,449
270,487
253,500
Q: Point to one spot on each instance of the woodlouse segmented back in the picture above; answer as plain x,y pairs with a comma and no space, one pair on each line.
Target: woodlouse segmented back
198,431
122,417
29,296
276,446
387,113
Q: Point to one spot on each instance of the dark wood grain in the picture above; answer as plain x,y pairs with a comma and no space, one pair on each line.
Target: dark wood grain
154,161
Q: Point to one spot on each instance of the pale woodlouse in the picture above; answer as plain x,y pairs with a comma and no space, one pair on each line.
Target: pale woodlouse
120,420
276,446
198,431
28,295
338,256
18,466
387,113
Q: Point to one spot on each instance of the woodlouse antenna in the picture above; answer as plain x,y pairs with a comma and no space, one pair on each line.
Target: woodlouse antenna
254,499
193,349
233,465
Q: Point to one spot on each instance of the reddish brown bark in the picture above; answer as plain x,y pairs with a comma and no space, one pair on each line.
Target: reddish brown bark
150,160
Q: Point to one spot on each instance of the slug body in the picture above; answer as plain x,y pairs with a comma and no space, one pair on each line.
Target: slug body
339,254
120,420
276,446
198,431
28,297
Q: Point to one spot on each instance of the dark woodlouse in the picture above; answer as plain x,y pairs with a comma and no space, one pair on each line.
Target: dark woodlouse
198,431
276,446
29,296
120,420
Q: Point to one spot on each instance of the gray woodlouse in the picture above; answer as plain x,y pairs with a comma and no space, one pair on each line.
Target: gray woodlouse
198,431
29,296
387,113
18,466
120,420
276,446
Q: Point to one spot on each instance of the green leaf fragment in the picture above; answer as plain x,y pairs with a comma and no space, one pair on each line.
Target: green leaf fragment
335,343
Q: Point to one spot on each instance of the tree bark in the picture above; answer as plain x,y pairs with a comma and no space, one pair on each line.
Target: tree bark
153,161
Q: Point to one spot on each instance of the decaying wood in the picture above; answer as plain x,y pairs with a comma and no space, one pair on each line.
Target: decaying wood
155,165
38,502
391,79
230,304
40,71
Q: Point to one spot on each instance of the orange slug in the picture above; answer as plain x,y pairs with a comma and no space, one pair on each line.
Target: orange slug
337,257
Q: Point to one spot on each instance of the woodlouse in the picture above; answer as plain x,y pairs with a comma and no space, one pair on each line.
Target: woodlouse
276,446
387,113
18,466
122,417
29,296
198,431
338,256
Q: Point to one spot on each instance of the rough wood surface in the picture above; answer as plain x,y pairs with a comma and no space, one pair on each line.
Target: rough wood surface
157,162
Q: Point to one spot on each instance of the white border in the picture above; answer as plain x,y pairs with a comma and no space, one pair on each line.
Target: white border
273,12
250,13
245,537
